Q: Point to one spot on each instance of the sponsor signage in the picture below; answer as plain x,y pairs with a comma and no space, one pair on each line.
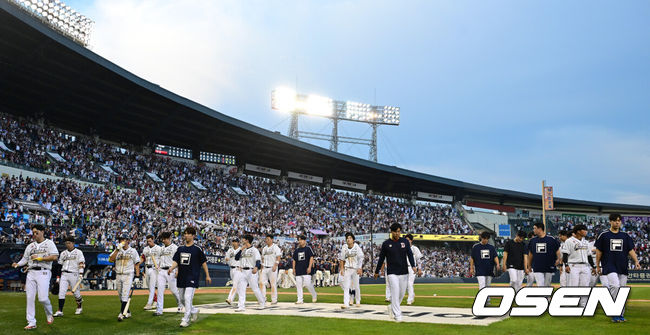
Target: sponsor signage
349,184
262,169
435,197
305,177
447,238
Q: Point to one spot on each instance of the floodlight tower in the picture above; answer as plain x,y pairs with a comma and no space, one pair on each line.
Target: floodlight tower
287,100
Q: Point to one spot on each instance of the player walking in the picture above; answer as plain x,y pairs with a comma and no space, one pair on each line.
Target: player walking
482,261
577,259
543,255
563,235
127,262
351,262
397,253
303,263
167,252
235,270
250,263
72,268
271,255
38,256
151,254
417,256
189,259
514,259
612,250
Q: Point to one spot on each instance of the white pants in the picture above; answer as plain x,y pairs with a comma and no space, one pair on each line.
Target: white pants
305,281
69,280
152,279
616,281
351,280
110,284
543,278
388,295
327,278
564,278
187,295
594,280
579,276
319,277
124,283
397,285
269,276
234,277
516,278
248,278
335,279
291,278
38,281
530,278
164,278
410,288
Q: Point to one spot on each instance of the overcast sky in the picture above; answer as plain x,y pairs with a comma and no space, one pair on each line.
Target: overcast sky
499,93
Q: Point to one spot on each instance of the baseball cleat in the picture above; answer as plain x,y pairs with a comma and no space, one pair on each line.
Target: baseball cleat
120,317
344,307
147,307
30,327
157,314
78,311
313,300
387,300
240,310
50,319
390,311
127,315
184,323
57,314
357,305
274,302
299,302
195,316
229,302
409,303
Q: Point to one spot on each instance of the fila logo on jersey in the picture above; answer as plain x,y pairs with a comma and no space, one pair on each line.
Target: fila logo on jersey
541,248
403,245
301,256
185,258
616,244
485,254
531,301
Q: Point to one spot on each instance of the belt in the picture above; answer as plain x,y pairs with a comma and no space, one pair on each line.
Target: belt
268,267
165,267
578,263
149,266
246,268
232,267
68,271
37,268
124,274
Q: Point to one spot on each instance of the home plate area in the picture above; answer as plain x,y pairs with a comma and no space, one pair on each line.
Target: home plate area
457,316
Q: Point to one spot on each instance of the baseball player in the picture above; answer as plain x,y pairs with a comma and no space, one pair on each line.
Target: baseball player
303,263
595,277
327,275
351,263
127,263
72,268
530,275
271,255
235,270
612,250
417,256
189,259
167,252
396,251
563,235
335,270
151,254
514,259
543,255
577,259
249,265
38,257
482,261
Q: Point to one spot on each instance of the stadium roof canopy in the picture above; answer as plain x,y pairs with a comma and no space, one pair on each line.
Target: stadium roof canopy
44,73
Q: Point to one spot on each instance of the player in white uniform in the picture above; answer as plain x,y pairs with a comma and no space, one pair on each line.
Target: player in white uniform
271,255
578,260
151,254
38,256
250,262
417,256
167,252
127,262
562,237
351,263
595,277
72,268
235,271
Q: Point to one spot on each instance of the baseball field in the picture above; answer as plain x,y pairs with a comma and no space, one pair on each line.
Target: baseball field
101,309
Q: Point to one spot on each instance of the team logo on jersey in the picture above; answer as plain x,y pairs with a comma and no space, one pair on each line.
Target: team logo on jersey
616,244
485,254
403,245
301,256
185,258
541,248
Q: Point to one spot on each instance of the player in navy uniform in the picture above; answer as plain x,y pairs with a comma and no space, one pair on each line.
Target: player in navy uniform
396,251
543,255
514,258
482,261
612,250
189,259
303,264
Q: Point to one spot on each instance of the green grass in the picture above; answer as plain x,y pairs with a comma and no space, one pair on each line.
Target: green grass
100,313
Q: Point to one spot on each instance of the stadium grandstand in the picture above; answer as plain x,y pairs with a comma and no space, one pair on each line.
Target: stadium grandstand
93,151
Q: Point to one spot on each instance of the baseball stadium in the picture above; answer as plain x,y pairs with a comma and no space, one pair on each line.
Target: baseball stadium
126,208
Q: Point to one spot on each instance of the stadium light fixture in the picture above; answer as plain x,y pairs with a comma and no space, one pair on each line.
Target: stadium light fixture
61,17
